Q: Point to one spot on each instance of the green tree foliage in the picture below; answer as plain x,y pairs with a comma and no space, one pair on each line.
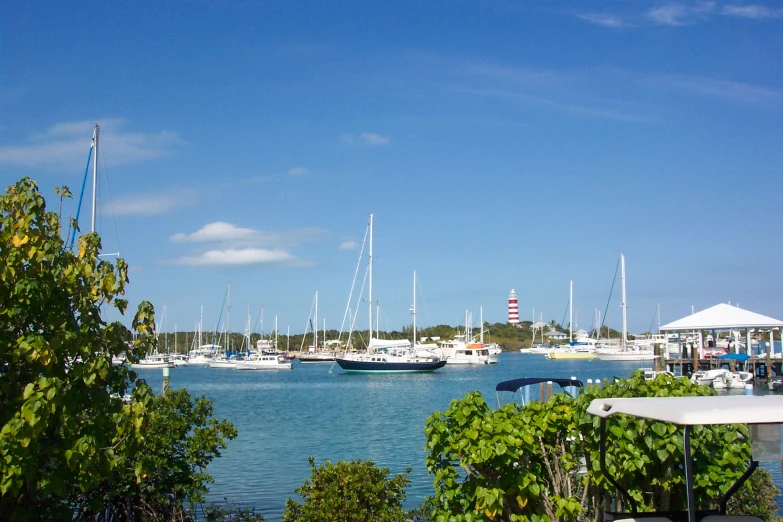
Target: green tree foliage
523,463
757,497
62,421
356,491
489,464
167,473
80,438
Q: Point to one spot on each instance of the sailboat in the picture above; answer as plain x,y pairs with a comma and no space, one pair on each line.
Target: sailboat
317,353
626,352
383,356
464,350
228,358
579,349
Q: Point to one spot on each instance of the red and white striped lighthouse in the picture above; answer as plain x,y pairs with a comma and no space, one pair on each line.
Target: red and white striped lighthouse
513,308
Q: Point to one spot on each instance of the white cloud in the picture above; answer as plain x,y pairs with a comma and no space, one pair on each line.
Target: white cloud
366,139
373,140
757,12
233,246
672,14
297,172
65,146
604,19
147,204
738,91
218,231
349,245
237,257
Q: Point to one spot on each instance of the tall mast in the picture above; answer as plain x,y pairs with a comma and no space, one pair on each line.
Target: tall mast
229,318
571,313
315,330
624,305
94,176
481,320
414,310
370,274
200,319
275,332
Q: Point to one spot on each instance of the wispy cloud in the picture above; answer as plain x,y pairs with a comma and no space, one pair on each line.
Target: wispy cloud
676,14
148,204
680,14
297,172
757,12
571,108
737,91
233,245
348,245
605,19
366,139
236,257
65,145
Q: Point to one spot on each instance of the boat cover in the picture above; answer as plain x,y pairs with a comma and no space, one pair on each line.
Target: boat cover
734,357
515,384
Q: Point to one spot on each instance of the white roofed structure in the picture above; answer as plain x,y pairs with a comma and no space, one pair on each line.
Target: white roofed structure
691,411
722,317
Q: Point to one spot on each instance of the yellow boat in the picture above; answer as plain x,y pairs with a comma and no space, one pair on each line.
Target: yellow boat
571,354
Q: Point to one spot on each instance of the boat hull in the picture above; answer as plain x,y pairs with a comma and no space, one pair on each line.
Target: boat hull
152,366
570,355
249,365
626,357
351,366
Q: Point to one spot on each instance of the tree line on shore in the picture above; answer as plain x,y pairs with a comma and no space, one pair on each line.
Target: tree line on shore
509,337
81,439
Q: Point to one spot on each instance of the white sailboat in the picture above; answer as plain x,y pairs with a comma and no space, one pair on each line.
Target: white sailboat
226,360
626,352
579,349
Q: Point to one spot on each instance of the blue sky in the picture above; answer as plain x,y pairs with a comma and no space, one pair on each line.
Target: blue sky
500,145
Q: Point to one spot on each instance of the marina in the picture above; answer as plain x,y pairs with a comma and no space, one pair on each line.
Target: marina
377,417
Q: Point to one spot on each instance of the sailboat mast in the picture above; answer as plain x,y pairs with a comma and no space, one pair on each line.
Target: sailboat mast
571,313
276,333
414,309
228,334
200,320
370,274
481,320
94,176
315,330
624,305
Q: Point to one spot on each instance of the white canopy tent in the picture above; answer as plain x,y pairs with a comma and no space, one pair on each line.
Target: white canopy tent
722,317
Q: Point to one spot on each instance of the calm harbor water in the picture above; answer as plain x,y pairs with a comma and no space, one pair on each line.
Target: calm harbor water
284,417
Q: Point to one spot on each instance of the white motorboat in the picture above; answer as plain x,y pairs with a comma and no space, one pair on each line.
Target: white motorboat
494,349
732,381
151,362
651,375
474,353
222,361
179,359
706,377
538,349
260,361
